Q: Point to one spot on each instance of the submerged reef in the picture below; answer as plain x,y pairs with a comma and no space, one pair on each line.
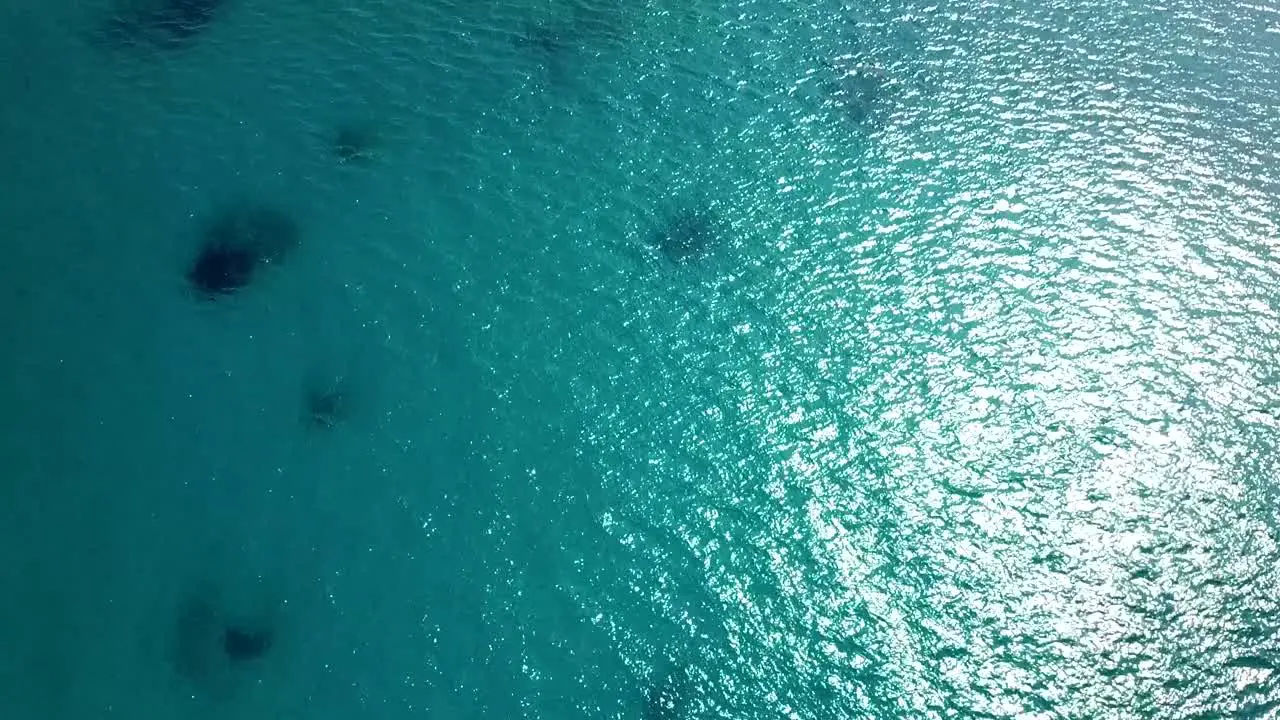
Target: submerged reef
162,23
236,243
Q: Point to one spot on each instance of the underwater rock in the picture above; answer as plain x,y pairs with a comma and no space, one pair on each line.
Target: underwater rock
687,235
171,23
236,243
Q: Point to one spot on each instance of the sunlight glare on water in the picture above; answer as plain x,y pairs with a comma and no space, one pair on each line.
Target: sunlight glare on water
640,360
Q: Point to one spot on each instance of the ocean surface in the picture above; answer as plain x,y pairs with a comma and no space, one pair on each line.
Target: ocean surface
640,360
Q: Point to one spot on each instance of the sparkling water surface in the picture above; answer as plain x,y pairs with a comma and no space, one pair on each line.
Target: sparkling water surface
642,359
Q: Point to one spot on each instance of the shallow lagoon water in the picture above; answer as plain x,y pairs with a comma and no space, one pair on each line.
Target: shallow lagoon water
963,407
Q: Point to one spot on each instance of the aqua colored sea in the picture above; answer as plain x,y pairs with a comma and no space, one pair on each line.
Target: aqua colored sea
639,360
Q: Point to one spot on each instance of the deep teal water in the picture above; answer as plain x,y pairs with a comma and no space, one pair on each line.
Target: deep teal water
968,409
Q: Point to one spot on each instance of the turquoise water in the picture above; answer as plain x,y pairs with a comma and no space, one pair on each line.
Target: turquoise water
965,406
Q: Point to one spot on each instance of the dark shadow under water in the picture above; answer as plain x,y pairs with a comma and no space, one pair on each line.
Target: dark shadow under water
162,23
688,234
236,243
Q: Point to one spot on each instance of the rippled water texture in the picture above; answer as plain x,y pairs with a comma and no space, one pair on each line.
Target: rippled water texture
642,360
